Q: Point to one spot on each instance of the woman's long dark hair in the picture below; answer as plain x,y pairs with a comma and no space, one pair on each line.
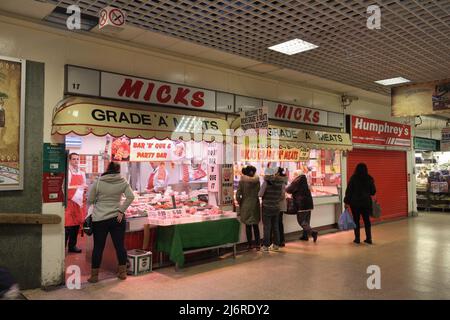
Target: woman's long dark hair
113,168
361,170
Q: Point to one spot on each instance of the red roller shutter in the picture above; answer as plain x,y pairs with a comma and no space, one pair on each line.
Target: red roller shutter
388,168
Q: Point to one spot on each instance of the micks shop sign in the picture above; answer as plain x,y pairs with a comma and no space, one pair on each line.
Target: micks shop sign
90,82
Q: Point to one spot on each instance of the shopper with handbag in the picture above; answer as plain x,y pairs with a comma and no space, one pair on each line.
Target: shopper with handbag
360,188
108,216
303,203
249,208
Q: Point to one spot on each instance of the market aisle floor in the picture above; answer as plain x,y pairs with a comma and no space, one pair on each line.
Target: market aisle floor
413,254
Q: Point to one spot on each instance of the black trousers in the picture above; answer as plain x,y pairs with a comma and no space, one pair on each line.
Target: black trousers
72,236
281,228
365,213
248,231
304,221
271,224
100,232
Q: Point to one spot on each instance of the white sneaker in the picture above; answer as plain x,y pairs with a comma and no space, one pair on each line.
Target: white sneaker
274,247
264,249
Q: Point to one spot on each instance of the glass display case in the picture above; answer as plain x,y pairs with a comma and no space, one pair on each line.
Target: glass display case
322,169
170,188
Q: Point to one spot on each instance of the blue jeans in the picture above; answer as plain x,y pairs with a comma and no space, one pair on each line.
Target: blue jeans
271,223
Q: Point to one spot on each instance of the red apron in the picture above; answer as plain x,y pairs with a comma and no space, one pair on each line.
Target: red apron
150,184
74,213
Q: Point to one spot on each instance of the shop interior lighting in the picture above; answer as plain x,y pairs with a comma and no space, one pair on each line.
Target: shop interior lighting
392,81
293,46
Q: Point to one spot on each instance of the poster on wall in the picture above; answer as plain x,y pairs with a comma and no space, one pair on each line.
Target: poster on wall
120,149
12,117
54,157
441,96
52,187
420,98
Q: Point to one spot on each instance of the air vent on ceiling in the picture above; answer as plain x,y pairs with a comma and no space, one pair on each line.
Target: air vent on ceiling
59,16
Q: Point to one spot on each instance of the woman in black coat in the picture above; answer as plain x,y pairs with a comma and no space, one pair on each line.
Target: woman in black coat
358,196
302,196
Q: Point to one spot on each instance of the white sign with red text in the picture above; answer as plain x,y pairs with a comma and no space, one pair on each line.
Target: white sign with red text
129,88
214,153
151,150
369,131
286,112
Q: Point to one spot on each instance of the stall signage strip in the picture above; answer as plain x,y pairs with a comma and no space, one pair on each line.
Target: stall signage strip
290,137
129,88
104,84
274,154
425,144
85,118
376,132
286,112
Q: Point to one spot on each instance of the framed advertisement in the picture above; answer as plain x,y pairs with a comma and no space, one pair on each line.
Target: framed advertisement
12,123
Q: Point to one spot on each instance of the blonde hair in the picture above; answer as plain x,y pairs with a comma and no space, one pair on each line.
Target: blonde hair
297,173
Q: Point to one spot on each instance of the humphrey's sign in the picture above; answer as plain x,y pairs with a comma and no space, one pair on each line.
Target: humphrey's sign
369,131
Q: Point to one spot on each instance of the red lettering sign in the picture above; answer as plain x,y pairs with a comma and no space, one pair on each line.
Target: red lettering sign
369,131
150,91
295,113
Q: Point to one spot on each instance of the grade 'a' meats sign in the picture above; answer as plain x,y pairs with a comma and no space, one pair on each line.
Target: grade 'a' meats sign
385,133
129,88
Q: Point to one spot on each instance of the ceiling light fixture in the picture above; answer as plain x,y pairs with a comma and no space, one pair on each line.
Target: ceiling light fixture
392,81
293,46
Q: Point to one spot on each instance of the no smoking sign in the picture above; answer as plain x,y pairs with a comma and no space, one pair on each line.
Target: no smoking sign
112,17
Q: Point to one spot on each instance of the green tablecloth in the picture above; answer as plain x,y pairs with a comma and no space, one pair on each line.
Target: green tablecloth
174,239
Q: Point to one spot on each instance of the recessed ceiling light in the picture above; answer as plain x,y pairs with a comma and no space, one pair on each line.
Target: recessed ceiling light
293,46
390,82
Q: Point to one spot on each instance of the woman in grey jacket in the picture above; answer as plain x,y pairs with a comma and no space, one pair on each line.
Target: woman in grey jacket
109,217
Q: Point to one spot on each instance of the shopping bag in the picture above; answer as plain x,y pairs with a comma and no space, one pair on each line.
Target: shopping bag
291,206
376,209
346,221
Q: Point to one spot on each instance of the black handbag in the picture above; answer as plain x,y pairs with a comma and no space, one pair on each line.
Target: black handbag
291,206
87,226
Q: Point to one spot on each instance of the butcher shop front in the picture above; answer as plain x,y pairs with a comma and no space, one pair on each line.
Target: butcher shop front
172,161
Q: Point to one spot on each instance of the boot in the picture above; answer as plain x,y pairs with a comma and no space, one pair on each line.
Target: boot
122,272
94,276
357,236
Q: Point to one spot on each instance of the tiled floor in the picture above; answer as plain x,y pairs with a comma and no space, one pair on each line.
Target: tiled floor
413,254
